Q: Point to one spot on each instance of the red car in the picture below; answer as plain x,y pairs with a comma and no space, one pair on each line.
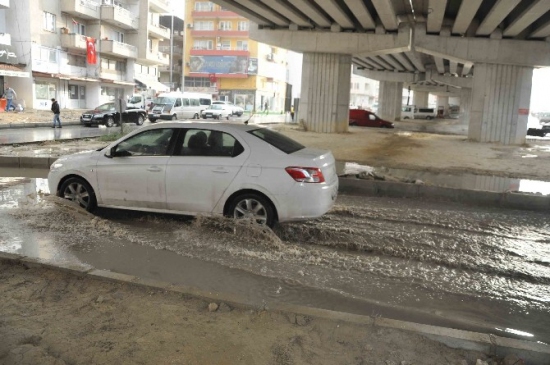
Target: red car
365,118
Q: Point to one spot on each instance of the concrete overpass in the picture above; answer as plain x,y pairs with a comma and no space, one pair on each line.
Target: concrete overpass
487,49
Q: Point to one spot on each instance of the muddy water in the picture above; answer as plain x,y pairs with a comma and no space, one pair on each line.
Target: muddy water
483,268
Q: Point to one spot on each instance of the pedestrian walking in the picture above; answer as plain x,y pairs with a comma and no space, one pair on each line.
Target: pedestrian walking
10,96
266,107
292,112
56,112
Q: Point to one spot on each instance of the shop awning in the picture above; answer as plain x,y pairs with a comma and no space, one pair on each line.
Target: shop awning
153,84
63,77
13,71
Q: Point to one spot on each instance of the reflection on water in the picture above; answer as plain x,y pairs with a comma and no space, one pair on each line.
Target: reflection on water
463,181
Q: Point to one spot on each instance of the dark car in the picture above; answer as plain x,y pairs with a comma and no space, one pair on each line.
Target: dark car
365,118
107,115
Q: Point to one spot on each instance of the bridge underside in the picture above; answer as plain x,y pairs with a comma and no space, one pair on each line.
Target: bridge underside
476,47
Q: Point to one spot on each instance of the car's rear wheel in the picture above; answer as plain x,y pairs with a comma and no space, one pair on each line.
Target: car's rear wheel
79,191
140,119
239,114
174,117
254,207
109,122
196,116
429,118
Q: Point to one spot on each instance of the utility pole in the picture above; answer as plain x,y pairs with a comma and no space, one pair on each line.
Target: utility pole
171,51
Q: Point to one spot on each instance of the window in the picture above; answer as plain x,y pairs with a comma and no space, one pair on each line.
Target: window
277,140
204,25
119,37
75,60
44,90
204,6
185,102
203,44
242,45
197,82
242,26
47,55
150,143
49,22
79,28
195,102
178,102
224,25
208,143
226,45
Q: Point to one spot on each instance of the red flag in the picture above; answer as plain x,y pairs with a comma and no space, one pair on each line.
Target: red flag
90,51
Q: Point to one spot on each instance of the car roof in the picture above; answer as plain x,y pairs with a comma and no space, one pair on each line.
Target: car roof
206,125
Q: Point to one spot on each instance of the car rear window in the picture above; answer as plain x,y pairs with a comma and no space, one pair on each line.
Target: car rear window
277,140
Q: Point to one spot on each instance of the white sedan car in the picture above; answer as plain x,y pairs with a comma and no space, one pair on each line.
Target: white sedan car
236,170
216,111
235,109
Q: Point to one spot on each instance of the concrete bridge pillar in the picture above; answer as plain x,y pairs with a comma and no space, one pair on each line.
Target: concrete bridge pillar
324,102
420,99
465,104
443,102
390,98
501,96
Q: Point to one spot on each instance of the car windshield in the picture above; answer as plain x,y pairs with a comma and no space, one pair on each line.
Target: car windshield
277,140
164,100
104,107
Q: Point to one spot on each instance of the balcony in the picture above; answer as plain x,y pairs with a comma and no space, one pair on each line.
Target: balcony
219,33
118,49
222,14
177,51
85,9
159,6
73,41
159,31
119,17
4,4
176,69
155,58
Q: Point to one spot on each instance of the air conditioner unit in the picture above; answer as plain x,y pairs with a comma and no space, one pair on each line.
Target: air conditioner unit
190,25
269,57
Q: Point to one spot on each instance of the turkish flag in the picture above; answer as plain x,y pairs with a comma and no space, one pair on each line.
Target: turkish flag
90,51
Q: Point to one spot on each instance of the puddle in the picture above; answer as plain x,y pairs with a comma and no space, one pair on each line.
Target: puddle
463,181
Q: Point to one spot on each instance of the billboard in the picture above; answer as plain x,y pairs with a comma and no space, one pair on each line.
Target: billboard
219,64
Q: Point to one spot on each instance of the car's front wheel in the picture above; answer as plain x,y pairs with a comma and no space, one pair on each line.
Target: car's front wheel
196,116
140,119
174,117
109,122
79,191
253,207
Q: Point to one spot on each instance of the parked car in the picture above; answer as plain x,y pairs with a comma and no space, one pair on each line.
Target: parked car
237,170
365,118
106,114
235,109
216,111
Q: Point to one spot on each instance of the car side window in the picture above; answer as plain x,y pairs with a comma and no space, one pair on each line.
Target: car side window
195,102
185,102
372,117
153,142
204,142
178,102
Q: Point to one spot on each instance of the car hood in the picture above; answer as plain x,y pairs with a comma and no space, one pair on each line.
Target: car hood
94,112
79,156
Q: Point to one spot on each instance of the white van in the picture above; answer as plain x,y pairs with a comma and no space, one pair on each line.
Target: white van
176,105
407,112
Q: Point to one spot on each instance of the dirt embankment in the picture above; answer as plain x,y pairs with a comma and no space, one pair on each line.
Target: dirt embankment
53,318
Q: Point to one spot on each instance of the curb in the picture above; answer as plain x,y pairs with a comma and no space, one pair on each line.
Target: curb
33,125
513,200
535,353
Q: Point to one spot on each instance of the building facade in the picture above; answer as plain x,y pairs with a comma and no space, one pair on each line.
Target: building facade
84,52
221,59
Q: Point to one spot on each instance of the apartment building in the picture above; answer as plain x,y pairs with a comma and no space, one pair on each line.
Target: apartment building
171,75
85,52
221,59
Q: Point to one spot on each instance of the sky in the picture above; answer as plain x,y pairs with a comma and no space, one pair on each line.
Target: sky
540,92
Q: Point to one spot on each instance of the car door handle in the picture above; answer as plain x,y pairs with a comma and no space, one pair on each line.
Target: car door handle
154,169
220,170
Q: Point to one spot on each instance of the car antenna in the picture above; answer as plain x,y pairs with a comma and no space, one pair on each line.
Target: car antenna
251,115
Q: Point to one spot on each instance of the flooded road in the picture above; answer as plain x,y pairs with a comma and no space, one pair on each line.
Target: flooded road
473,268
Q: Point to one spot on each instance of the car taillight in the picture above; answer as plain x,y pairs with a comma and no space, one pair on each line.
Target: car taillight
306,174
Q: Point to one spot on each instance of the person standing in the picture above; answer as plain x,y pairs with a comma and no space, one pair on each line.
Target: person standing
266,107
56,112
292,112
10,95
